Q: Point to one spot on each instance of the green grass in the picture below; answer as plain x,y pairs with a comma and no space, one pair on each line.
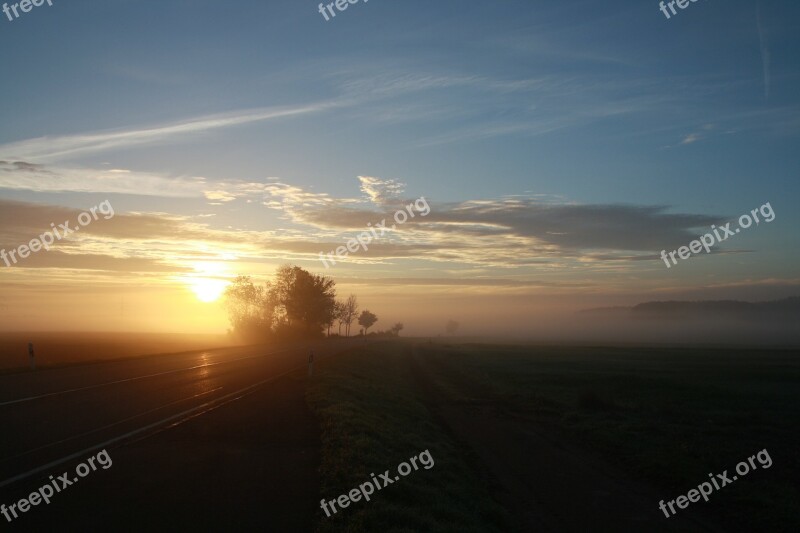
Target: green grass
667,416
372,419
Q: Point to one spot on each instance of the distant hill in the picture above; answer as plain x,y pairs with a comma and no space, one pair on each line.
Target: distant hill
607,311
784,309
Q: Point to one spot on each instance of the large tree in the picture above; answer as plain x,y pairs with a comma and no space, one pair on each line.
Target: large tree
306,301
296,303
249,308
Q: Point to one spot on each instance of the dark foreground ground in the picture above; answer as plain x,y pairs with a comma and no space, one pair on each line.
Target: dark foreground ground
573,439
247,466
521,438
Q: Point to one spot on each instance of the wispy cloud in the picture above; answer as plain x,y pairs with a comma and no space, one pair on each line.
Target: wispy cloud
64,147
496,231
381,192
491,232
504,235
21,175
691,138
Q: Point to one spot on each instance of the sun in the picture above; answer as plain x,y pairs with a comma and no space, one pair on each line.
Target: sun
208,282
207,289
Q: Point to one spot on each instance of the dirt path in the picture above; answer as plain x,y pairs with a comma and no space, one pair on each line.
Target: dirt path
550,484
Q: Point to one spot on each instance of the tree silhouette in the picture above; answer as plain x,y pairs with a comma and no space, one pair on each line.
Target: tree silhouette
396,329
296,303
307,300
339,314
451,327
350,312
248,306
367,319
331,319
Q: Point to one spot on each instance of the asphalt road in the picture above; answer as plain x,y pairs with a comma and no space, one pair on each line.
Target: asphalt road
53,416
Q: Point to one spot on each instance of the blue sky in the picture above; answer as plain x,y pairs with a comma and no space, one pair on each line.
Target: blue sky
279,112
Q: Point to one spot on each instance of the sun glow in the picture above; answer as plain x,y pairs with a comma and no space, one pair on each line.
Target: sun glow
208,282
207,289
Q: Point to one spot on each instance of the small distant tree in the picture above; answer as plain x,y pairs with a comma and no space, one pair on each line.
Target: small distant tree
396,329
451,327
339,314
349,312
367,319
331,317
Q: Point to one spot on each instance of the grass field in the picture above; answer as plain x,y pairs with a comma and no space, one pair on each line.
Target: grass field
666,417
372,420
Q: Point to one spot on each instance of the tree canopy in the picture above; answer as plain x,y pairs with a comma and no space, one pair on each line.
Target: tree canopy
297,303
367,319
451,327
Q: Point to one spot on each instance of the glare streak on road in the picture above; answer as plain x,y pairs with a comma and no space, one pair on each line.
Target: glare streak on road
58,393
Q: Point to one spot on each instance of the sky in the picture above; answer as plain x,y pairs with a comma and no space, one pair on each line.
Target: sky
560,147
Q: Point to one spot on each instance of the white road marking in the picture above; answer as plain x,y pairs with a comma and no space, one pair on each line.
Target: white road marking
206,406
101,428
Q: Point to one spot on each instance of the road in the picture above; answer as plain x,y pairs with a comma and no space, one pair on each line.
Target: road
52,416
